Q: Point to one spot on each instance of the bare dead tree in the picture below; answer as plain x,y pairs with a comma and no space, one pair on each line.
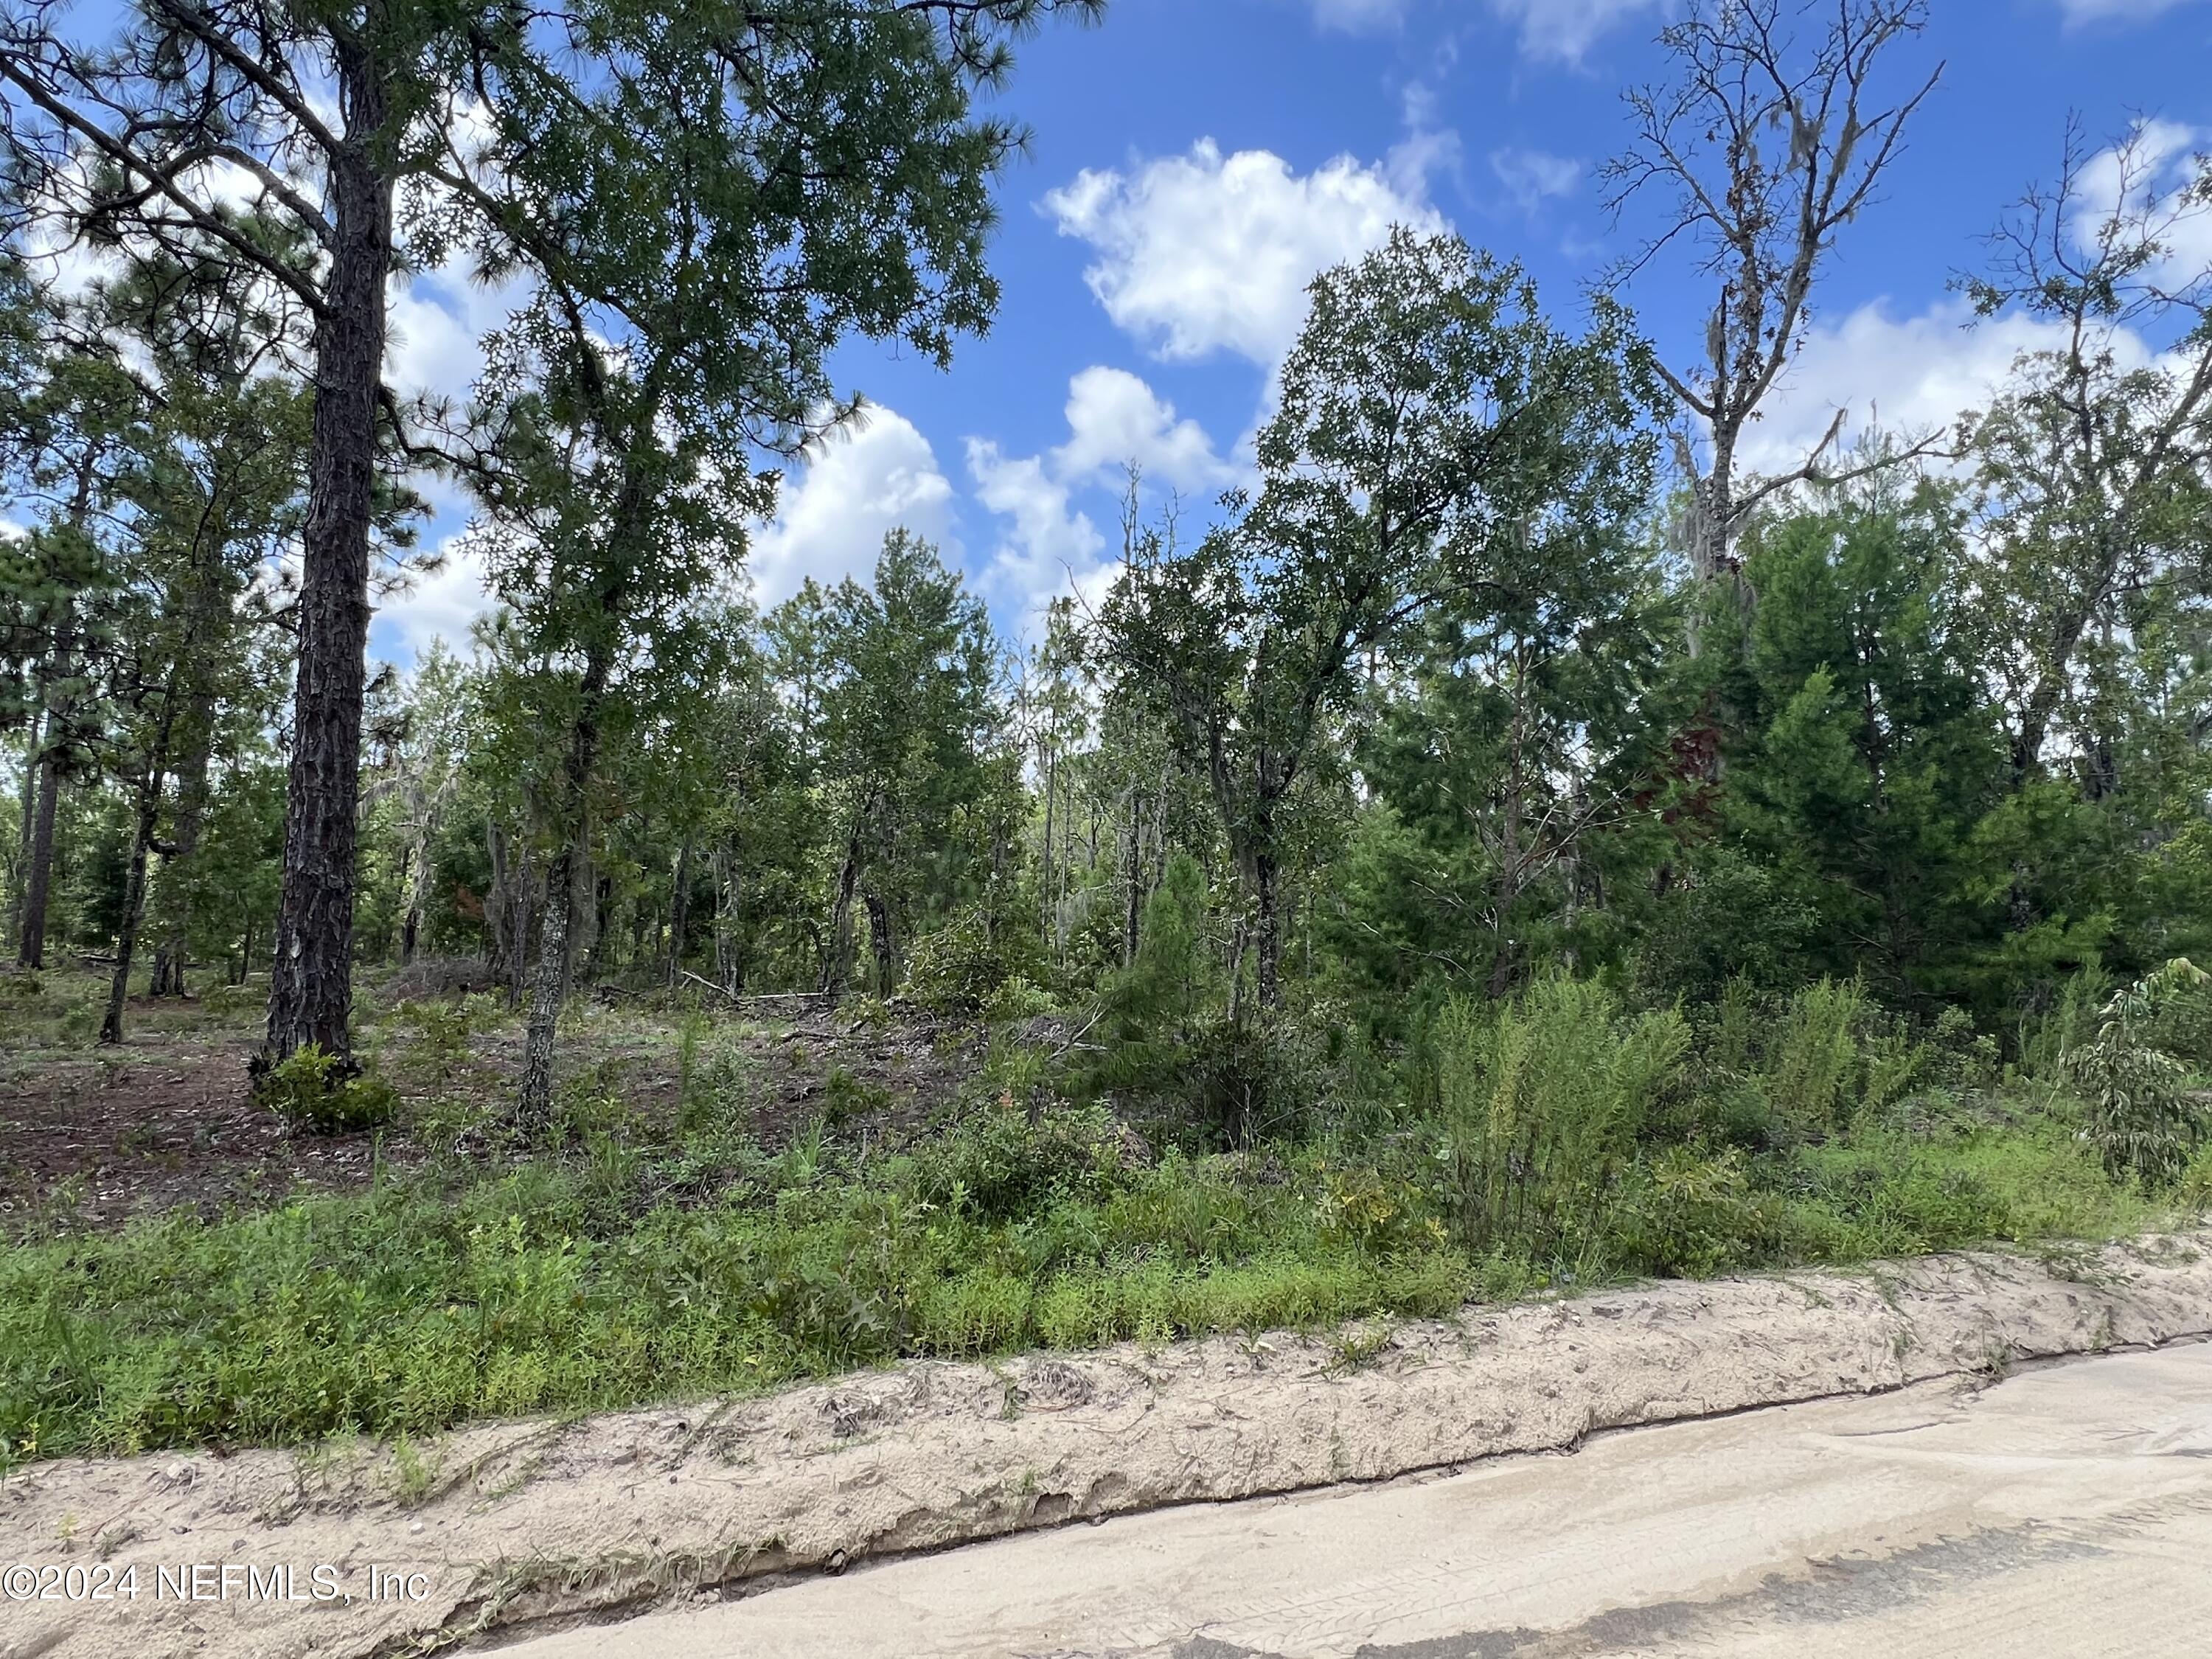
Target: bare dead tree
1771,134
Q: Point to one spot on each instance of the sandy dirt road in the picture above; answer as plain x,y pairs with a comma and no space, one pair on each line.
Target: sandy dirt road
2066,1511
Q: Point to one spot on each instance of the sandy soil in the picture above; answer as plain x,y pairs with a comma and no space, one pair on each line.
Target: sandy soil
2065,1513
511,1526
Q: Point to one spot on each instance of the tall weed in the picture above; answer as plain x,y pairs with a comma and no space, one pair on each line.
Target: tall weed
1815,1058
1542,1103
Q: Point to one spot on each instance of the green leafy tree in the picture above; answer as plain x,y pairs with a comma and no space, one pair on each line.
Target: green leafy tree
2094,470
1438,440
914,744
785,179
375,128
1872,753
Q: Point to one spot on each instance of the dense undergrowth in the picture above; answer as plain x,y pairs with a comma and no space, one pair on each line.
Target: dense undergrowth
1563,1139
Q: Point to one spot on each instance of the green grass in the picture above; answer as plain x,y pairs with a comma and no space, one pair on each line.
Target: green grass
418,1306
569,1285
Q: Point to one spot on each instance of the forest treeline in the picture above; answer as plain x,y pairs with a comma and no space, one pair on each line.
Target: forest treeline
1506,662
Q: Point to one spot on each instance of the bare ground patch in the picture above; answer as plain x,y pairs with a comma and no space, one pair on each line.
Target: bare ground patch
94,1137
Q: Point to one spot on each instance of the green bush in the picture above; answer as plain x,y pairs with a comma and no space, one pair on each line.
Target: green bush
1689,1217
439,1035
2144,1114
1267,1074
325,1094
966,965
999,1166
649,1256
845,1096
1542,1102
1814,1064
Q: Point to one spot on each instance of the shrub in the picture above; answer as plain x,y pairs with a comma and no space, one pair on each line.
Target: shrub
2070,1024
1814,1061
1688,1216
999,1164
964,967
325,1093
1153,1007
1374,1214
1266,1075
439,1037
1541,1106
2194,1190
846,1096
2143,1117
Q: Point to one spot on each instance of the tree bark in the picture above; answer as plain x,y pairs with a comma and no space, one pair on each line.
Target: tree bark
603,921
1131,916
549,990
134,904
885,946
28,809
1050,920
566,891
2043,701
191,808
839,948
679,908
31,943
496,944
729,891
1236,936
1504,964
1267,965
311,989
418,886
522,921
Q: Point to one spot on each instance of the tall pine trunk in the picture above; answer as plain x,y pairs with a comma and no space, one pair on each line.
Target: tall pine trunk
31,942
27,809
496,941
885,946
39,870
1267,962
1132,849
838,950
1050,920
311,989
192,809
418,887
134,901
679,909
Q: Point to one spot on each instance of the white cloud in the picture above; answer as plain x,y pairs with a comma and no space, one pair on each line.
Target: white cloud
1114,419
2164,162
438,321
2122,11
871,478
1911,374
1564,31
1051,548
1201,253
1051,545
1356,16
1531,175
440,603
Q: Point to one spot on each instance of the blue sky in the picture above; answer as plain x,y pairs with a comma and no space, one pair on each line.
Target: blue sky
1195,161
